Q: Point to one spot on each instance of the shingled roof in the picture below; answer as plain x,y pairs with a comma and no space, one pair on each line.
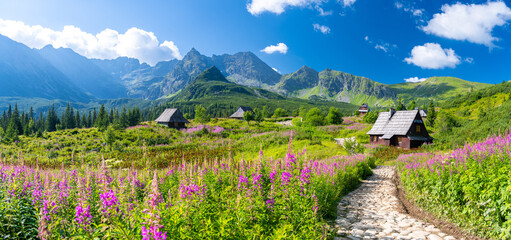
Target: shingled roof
240,111
171,115
397,124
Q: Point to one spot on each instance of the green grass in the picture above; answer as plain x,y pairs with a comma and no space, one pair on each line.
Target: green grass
438,88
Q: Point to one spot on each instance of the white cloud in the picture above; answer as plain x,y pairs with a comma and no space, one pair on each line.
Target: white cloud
409,7
381,47
281,48
108,44
417,12
473,23
415,80
322,12
348,3
256,7
276,70
433,56
322,28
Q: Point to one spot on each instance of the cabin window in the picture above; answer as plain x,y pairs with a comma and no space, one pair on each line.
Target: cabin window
400,140
418,128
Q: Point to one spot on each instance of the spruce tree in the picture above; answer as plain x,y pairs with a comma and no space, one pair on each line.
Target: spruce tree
15,119
431,117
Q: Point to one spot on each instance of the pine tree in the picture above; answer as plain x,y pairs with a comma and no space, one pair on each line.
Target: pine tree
431,117
52,120
15,119
124,118
89,119
102,119
78,123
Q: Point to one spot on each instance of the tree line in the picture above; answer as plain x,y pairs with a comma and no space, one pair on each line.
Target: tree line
14,123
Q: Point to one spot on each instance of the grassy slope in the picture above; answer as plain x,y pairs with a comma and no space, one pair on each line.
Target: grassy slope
474,116
438,88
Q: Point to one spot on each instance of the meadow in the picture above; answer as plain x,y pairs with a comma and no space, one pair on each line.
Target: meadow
469,186
224,179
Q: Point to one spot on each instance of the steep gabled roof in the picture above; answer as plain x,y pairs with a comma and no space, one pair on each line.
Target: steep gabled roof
171,115
240,111
397,124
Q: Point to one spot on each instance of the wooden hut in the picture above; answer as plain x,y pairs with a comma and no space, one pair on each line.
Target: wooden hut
364,109
423,112
172,118
403,129
239,113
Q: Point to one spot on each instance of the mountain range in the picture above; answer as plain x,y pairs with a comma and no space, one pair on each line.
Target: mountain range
61,73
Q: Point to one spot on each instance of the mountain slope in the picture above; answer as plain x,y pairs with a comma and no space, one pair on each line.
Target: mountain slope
247,69
138,81
24,73
84,73
212,84
120,66
336,86
304,78
438,88
213,91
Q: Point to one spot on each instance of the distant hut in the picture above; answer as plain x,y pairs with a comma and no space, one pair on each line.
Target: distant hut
423,112
172,118
403,129
364,109
239,113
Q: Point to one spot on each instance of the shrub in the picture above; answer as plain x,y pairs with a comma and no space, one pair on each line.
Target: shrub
370,117
315,117
334,116
279,112
201,116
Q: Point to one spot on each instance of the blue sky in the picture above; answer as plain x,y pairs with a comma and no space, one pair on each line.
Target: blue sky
388,40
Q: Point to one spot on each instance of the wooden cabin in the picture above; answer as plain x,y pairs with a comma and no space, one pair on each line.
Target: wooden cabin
172,118
364,109
239,113
423,112
403,129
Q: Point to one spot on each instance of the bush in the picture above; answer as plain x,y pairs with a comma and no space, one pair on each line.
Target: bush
334,116
315,117
297,121
279,112
370,117
201,116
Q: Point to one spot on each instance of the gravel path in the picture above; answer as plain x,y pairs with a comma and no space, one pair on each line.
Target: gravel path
370,212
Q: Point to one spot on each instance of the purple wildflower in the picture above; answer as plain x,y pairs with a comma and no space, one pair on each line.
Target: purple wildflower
285,178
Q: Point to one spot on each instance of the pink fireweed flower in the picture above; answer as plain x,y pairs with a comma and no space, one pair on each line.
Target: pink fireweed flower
290,160
285,178
155,196
242,182
153,233
192,190
305,175
109,202
272,175
257,181
82,216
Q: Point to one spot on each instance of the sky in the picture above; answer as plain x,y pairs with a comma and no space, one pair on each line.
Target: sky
389,41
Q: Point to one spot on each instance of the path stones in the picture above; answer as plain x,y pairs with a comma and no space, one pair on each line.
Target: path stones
369,212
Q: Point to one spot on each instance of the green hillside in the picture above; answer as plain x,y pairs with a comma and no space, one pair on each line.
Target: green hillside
337,86
474,116
438,88
212,90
